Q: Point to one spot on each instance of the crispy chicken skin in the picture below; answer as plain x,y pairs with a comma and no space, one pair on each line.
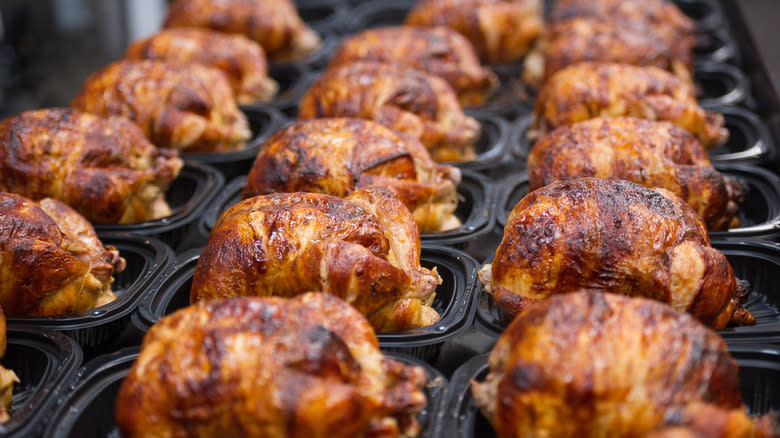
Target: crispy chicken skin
338,156
275,25
591,89
51,260
440,51
399,97
364,248
615,236
649,153
622,367
239,58
501,30
308,366
186,107
7,377
104,168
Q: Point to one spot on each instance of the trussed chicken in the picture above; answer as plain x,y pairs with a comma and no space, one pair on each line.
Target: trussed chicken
239,58
650,153
275,25
501,30
364,248
440,51
7,377
623,367
594,89
51,260
187,107
104,168
399,97
339,156
304,367
615,236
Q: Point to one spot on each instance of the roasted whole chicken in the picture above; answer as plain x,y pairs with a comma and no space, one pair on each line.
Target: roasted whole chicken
592,364
399,97
501,30
51,260
364,248
187,107
104,168
338,156
308,366
7,377
594,89
440,51
239,58
615,236
649,153
275,25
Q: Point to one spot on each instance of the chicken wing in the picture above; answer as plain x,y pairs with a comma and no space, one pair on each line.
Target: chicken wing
399,97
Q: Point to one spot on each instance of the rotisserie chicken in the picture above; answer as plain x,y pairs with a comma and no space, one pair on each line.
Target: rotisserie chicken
592,364
615,236
275,25
364,248
649,153
440,51
103,168
308,366
187,107
339,156
501,30
7,377
51,260
239,58
594,89
399,97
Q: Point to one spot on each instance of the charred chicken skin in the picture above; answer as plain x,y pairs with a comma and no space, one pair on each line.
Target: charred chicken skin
623,367
308,366
51,260
104,168
399,97
7,377
339,156
595,89
239,58
440,51
501,30
187,107
364,248
615,236
649,153
275,25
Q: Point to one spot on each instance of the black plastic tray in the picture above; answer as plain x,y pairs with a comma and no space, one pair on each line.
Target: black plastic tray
188,195
454,300
44,361
377,13
98,329
706,13
757,262
491,148
720,84
293,79
88,408
324,16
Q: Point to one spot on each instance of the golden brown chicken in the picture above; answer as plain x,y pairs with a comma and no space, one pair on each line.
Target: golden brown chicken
440,51
7,377
501,30
592,364
308,366
239,58
51,260
338,156
364,248
592,89
616,236
104,168
187,107
650,153
275,25
399,97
